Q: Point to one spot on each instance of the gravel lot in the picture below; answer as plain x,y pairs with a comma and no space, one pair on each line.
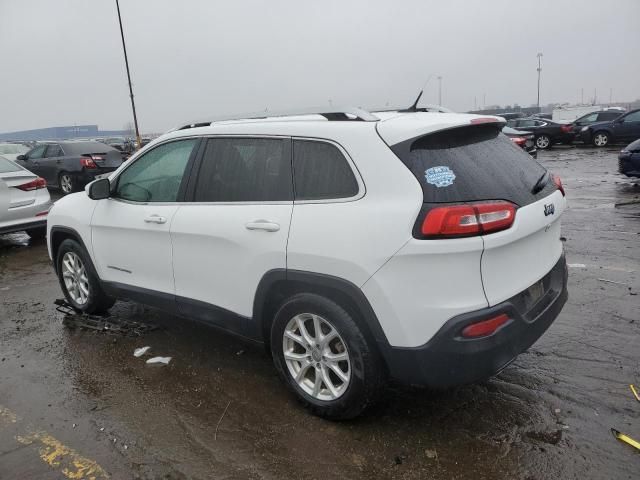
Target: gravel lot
219,411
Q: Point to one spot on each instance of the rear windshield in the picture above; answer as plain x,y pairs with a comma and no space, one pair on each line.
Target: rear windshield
473,163
79,148
7,166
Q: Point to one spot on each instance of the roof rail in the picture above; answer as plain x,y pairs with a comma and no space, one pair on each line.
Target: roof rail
331,113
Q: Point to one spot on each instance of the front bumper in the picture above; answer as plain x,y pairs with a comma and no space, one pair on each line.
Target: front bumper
448,359
629,163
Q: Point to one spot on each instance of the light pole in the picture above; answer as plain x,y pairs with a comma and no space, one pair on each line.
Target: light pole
439,90
539,70
126,62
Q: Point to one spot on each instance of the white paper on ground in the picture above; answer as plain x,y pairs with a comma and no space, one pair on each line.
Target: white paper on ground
138,352
164,360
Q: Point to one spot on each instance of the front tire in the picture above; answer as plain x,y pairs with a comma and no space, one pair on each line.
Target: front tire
601,139
543,142
324,358
67,183
78,279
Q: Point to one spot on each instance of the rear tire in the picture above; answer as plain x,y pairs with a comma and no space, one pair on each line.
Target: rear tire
601,139
37,233
79,280
339,372
543,142
67,183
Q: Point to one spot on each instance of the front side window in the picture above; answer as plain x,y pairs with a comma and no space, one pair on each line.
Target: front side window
157,175
321,172
632,117
245,170
37,152
526,123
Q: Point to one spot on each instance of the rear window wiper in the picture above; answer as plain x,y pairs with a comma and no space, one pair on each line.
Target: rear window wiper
540,184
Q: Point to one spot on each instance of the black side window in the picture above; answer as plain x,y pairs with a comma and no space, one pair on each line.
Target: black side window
156,176
54,151
321,172
36,153
245,170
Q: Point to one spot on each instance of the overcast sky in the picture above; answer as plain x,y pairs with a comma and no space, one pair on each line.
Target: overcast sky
62,61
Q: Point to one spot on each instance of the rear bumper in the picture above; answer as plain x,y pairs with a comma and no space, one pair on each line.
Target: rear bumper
448,359
24,226
88,176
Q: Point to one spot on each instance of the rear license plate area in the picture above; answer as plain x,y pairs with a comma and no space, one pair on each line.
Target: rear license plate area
534,293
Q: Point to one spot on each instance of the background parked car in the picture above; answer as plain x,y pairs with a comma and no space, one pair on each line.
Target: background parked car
594,117
24,200
120,143
11,151
526,140
545,131
625,128
69,166
629,160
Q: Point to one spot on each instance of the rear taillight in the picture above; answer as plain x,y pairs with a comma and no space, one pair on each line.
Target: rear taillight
468,219
33,185
485,327
566,128
88,162
558,182
519,140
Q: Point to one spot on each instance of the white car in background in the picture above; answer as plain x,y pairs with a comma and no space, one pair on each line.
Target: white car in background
11,151
24,200
417,245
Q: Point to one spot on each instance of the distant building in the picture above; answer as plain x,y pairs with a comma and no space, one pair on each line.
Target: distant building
63,133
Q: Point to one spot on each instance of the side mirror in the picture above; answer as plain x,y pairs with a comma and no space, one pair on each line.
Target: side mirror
22,157
100,189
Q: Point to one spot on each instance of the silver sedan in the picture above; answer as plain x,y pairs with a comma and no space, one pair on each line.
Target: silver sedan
24,200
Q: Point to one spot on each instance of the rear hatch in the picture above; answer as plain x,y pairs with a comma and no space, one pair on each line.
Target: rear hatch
474,164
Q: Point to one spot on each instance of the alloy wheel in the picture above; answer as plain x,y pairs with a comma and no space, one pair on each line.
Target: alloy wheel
75,278
66,184
542,142
316,356
600,140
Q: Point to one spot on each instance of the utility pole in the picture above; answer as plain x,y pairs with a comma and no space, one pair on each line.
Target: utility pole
582,96
126,62
484,101
539,70
439,90
610,96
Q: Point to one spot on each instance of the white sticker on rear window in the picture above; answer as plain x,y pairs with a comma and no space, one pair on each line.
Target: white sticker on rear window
440,176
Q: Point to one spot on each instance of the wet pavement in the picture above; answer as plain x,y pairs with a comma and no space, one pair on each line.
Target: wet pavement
78,404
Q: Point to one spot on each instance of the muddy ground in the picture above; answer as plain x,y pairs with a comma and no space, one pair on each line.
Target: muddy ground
219,411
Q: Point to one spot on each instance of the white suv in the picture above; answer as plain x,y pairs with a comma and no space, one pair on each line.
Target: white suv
415,245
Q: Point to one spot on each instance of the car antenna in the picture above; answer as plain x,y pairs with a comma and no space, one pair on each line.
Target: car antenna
414,107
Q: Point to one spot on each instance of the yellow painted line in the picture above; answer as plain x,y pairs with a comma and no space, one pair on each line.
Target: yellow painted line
55,454
635,392
60,457
625,438
7,416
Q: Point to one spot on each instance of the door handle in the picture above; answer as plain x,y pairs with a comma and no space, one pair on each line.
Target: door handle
265,225
155,219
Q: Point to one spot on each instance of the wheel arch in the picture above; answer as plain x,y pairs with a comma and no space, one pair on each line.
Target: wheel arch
57,236
278,285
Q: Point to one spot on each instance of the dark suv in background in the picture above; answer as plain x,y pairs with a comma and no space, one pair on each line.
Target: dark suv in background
594,117
625,128
69,166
